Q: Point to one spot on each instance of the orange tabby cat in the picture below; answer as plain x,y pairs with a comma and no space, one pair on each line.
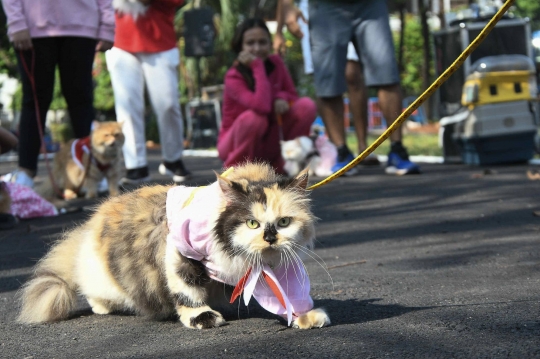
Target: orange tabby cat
100,155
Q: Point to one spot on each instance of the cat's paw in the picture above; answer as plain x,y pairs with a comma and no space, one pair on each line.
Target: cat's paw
315,318
69,194
98,306
206,320
201,318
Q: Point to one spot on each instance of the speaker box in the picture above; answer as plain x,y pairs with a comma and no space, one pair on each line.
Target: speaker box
199,32
203,123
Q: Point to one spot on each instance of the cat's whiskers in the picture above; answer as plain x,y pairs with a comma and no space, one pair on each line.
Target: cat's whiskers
299,263
308,252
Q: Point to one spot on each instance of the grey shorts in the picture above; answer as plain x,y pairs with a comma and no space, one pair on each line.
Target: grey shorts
332,24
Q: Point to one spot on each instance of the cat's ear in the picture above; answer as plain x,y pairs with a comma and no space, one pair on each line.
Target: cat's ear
121,123
229,188
301,180
95,125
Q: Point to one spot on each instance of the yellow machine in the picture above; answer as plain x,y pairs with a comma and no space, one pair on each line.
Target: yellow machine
498,123
498,79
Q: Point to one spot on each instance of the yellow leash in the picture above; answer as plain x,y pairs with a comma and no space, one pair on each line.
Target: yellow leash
431,89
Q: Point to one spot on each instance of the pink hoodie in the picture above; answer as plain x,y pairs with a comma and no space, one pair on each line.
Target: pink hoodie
190,230
47,18
238,97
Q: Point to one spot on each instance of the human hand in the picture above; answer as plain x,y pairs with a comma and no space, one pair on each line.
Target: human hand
281,106
104,45
22,40
292,14
279,43
246,58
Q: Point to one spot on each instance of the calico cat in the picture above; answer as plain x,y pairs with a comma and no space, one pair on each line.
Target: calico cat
160,250
135,8
83,163
316,153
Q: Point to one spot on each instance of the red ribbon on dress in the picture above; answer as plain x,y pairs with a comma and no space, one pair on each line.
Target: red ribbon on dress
240,286
273,287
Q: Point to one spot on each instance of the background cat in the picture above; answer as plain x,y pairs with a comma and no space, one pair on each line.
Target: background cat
132,7
71,161
127,256
319,155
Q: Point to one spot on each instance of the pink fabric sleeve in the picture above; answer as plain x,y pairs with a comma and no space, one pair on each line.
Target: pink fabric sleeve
259,101
288,91
16,20
106,21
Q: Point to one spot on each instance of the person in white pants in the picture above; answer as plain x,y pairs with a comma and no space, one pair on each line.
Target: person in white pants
145,53
159,71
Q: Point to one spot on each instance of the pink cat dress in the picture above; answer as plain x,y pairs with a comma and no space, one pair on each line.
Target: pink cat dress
190,230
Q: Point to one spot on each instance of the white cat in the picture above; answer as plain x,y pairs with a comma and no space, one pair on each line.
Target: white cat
135,8
318,154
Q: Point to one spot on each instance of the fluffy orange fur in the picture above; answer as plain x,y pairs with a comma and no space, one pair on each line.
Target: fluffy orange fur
106,140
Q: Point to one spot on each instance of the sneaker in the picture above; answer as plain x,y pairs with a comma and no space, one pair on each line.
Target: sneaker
398,161
176,170
103,186
136,176
19,177
340,164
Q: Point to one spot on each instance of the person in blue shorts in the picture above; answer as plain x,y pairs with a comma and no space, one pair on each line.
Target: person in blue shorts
332,24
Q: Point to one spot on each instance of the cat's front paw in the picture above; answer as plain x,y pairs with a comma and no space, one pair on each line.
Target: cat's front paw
69,194
207,320
201,318
315,318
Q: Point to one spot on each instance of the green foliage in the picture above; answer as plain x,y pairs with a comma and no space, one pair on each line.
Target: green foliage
103,92
417,144
8,60
295,64
61,132
530,9
411,77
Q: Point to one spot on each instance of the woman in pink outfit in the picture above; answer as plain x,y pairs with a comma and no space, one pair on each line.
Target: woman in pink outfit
259,89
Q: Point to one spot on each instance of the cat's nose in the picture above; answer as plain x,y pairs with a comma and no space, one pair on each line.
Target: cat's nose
270,238
269,235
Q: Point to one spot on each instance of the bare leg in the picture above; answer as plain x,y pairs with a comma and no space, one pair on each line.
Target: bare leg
332,113
357,101
390,100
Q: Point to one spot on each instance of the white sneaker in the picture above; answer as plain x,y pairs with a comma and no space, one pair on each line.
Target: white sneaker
103,186
19,177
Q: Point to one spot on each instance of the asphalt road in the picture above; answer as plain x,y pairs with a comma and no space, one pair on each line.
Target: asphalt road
441,265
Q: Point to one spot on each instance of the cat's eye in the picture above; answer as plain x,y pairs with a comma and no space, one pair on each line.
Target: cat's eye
284,222
253,224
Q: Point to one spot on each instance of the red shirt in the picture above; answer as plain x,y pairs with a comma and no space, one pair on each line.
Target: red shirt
151,32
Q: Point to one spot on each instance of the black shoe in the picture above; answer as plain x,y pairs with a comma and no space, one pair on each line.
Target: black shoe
176,170
136,176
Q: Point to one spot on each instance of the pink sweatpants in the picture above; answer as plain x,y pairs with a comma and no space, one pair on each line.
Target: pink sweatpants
256,137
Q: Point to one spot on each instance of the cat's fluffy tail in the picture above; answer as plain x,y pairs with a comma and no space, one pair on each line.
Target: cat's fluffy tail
51,294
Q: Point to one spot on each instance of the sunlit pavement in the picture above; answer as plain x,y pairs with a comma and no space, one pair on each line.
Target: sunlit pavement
438,265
